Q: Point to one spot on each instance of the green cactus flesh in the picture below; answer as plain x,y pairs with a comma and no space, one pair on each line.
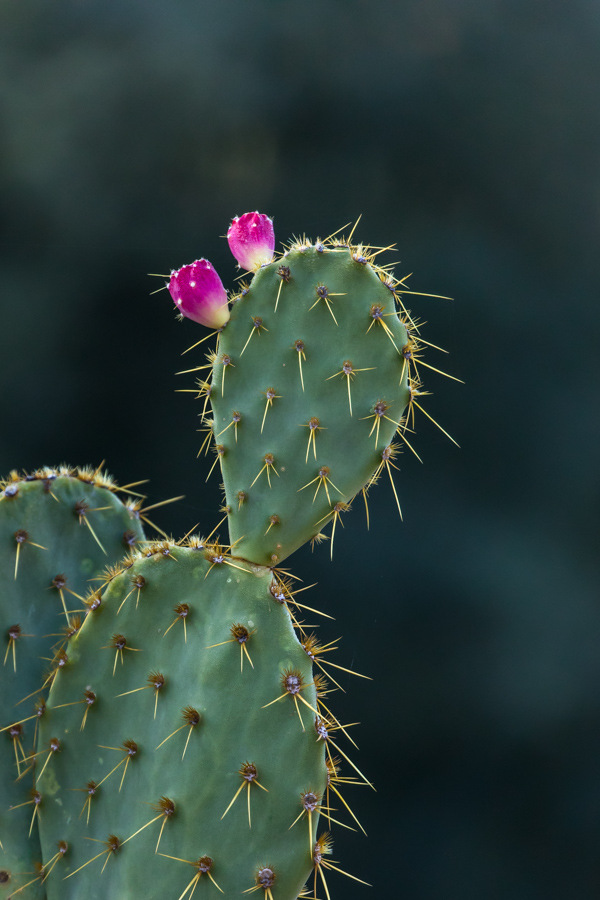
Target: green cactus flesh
309,385
58,530
185,688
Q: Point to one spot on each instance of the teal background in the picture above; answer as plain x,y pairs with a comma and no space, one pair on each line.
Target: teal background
468,132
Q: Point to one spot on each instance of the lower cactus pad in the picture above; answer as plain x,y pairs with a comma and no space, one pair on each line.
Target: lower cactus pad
184,728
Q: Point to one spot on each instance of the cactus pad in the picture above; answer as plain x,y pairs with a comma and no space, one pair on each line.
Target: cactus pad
310,381
187,736
58,530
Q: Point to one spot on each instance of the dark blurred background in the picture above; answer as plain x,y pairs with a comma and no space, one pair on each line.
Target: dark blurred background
467,131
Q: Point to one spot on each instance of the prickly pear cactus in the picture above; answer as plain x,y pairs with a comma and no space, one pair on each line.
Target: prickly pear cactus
180,741
308,389
186,737
58,529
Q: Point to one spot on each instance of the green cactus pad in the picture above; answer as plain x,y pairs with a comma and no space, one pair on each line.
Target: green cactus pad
308,389
58,529
180,675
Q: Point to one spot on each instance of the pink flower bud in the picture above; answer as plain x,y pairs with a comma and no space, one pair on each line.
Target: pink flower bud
198,294
252,240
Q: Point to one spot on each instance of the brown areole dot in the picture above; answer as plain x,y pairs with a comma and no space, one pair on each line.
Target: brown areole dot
273,520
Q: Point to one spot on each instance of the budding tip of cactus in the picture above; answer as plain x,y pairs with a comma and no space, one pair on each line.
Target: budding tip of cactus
198,294
252,240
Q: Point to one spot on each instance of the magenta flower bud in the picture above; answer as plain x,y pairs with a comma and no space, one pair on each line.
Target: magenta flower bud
198,294
252,240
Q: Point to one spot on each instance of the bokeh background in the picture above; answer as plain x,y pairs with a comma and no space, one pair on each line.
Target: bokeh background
467,131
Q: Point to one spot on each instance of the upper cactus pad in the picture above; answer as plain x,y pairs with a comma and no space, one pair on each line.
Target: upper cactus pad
309,385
